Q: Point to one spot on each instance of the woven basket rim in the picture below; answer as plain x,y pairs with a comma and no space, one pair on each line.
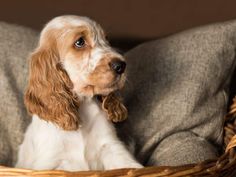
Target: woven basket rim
224,166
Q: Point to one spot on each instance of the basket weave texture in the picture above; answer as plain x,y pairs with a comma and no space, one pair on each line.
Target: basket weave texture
224,166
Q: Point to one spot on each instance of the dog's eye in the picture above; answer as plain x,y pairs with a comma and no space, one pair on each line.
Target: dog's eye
80,42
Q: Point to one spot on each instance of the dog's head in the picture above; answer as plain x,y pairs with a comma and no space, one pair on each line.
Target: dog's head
73,60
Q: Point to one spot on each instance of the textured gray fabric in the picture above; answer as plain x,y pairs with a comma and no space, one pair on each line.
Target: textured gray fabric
15,44
182,148
177,94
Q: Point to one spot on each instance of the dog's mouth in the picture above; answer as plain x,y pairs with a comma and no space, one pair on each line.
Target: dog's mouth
104,89
117,84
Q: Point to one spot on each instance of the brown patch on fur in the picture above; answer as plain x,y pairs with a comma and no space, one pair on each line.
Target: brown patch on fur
114,108
102,75
49,90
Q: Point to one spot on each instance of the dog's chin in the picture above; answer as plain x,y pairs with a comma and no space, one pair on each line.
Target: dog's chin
115,86
106,90
103,90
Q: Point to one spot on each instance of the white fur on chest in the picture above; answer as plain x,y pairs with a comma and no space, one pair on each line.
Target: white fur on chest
94,146
66,149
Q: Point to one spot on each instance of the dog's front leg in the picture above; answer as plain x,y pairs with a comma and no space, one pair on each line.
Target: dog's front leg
103,148
115,155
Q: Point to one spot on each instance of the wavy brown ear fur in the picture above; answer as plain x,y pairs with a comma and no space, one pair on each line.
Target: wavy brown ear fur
114,108
49,91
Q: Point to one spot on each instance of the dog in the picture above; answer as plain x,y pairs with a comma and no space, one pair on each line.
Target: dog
71,95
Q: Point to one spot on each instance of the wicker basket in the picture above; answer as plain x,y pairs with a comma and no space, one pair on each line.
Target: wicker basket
224,166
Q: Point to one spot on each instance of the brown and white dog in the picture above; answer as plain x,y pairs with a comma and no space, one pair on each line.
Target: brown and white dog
70,129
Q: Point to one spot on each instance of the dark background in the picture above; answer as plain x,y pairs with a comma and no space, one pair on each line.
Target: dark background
127,22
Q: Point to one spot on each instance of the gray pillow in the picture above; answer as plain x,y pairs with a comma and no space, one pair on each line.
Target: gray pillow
15,44
177,94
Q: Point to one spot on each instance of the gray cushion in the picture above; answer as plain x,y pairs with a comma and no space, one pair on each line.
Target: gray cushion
15,44
177,94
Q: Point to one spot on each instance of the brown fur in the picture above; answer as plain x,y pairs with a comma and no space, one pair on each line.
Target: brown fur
49,93
114,108
102,76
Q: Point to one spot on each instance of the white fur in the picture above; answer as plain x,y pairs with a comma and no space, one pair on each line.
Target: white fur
95,145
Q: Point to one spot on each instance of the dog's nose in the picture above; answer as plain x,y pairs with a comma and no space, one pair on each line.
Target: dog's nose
118,66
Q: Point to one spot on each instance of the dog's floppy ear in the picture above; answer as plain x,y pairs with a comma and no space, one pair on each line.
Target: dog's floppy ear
49,94
114,108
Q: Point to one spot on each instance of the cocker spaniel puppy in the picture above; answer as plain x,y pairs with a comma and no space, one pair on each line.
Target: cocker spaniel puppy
71,129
